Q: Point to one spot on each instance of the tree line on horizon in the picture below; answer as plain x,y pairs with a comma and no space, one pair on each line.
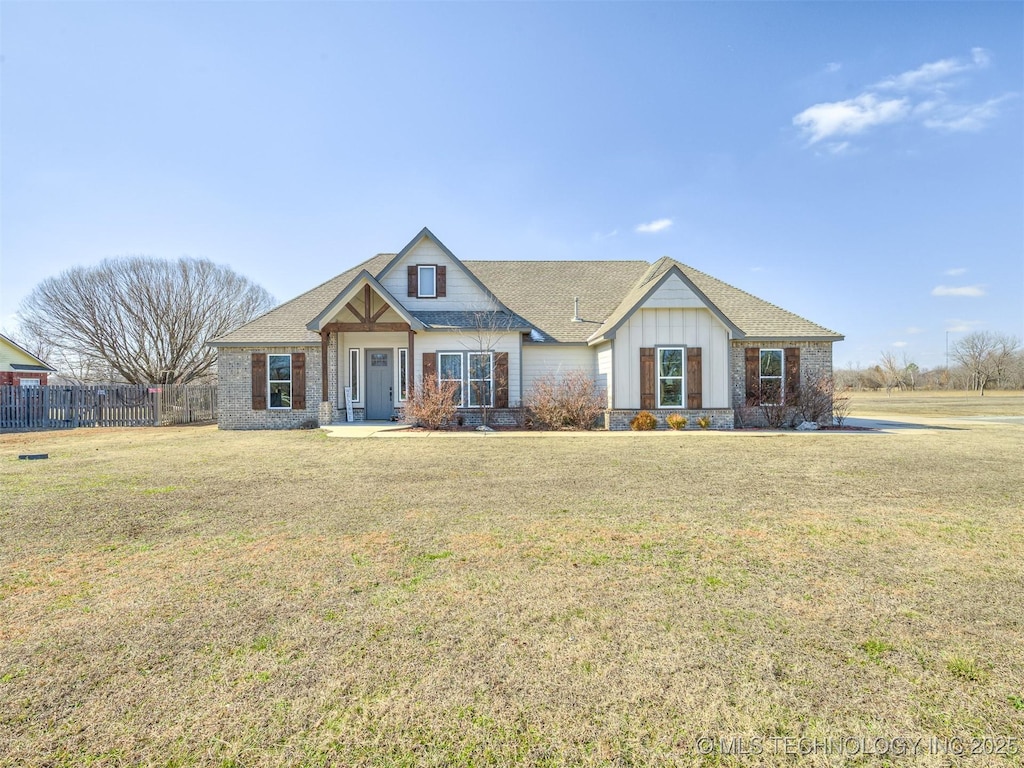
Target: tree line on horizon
981,361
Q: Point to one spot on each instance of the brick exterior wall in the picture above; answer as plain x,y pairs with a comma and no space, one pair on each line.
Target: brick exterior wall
721,418
234,395
815,359
15,377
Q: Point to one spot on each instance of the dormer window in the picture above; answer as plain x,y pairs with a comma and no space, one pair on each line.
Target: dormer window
427,281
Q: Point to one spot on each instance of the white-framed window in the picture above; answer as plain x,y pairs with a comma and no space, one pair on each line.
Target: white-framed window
426,281
279,381
481,379
449,368
771,376
403,374
670,363
28,382
354,356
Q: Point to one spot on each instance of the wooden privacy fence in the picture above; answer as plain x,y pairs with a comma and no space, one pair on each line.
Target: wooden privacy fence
68,407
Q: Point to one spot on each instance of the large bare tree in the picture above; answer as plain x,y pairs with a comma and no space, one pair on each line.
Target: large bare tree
986,356
142,319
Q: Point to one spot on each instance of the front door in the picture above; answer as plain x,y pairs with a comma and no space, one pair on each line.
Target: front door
379,385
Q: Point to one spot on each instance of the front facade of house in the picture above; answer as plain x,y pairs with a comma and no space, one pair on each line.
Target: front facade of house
661,337
20,367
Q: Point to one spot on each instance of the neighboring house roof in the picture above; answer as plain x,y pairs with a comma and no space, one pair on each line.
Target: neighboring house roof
540,296
14,357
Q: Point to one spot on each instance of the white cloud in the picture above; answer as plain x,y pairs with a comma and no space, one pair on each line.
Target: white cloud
963,290
597,237
658,225
919,95
965,117
833,66
955,271
962,326
914,330
846,118
899,343
934,74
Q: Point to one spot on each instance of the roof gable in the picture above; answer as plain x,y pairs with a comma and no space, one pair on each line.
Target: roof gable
661,272
350,291
465,290
13,356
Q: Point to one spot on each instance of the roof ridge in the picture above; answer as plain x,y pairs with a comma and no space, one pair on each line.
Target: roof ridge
554,261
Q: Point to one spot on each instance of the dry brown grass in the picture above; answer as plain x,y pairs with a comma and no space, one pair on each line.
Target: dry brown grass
184,596
938,403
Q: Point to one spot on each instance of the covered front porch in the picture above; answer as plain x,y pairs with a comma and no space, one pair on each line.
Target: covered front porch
367,353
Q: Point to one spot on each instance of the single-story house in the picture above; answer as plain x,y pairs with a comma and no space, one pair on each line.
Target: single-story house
19,366
662,337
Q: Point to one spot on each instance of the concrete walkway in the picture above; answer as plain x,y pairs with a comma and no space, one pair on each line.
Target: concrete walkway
363,428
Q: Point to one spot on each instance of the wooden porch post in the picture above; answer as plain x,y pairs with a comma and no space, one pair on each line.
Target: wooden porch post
324,337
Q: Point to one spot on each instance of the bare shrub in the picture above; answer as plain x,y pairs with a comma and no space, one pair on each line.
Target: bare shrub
677,421
776,414
432,405
643,422
572,401
814,402
840,408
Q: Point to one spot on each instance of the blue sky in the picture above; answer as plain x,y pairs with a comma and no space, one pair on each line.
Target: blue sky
859,164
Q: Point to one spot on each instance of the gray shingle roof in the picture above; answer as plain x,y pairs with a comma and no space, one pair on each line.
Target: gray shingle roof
500,321
541,295
286,324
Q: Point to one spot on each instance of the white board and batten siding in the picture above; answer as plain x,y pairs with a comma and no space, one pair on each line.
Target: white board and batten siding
673,316
443,341
540,360
461,292
605,370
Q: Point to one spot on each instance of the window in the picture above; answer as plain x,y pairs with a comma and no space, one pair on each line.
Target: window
481,379
771,376
670,377
29,382
353,373
279,378
403,373
426,279
449,368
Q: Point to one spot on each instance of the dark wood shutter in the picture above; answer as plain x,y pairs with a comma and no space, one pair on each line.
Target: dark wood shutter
430,366
694,378
414,280
442,281
259,381
792,357
753,376
501,379
298,381
646,377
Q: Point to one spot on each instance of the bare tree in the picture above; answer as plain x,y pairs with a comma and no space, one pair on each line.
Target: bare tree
141,319
487,329
986,357
893,372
